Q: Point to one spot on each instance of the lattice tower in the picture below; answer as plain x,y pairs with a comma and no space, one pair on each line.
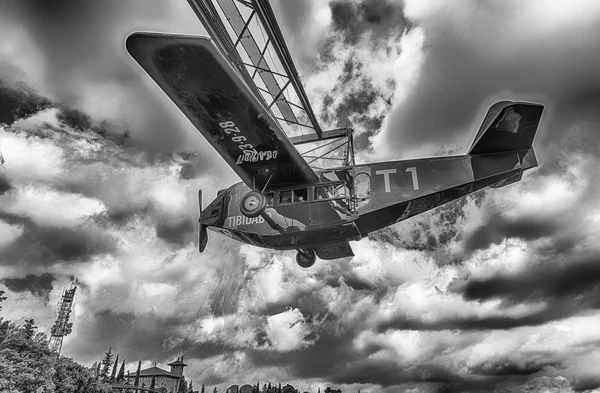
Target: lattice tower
62,326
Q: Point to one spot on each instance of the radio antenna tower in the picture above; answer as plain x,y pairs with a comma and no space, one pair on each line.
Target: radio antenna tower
62,326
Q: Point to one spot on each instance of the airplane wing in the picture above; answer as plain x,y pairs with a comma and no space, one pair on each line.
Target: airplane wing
206,88
248,34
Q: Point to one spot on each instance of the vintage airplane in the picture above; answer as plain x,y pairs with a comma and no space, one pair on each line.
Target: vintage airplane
251,112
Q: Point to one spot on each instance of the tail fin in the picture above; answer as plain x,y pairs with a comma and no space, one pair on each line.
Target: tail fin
508,126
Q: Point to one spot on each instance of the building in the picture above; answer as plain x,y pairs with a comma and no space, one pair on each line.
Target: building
162,378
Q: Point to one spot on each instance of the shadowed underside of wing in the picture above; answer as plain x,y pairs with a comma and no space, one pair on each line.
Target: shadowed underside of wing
203,85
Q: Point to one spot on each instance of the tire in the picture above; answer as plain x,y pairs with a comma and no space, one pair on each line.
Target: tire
253,204
306,258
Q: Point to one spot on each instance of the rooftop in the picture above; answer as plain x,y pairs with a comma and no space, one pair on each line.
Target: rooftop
156,371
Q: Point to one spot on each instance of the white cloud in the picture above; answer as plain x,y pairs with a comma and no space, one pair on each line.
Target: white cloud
9,233
31,158
50,207
287,330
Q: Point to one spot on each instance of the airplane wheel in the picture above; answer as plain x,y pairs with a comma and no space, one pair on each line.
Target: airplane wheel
252,204
306,258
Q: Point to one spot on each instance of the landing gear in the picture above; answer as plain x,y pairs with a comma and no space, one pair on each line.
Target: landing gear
253,204
306,257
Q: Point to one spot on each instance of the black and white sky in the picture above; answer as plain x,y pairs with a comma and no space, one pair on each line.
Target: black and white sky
496,292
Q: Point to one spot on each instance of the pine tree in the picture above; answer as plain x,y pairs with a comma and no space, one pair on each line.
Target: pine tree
99,370
153,383
114,370
29,329
269,386
202,389
121,374
182,386
137,373
279,388
106,363
215,390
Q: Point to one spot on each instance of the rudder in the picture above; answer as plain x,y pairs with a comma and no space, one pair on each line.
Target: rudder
508,126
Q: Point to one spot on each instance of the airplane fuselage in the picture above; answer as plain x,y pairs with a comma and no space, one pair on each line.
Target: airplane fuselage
350,202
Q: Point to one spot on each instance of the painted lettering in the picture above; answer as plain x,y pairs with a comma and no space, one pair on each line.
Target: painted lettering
239,220
415,180
255,156
386,177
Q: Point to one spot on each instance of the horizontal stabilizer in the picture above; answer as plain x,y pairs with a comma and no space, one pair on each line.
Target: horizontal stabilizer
508,126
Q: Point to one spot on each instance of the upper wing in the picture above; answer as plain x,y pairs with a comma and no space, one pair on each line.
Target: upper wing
248,34
202,83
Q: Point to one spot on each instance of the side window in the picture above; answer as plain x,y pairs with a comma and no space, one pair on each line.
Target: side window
362,189
362,185
293,196
286,196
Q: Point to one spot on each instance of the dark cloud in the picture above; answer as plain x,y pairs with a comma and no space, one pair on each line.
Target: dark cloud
38,285
498,228
387,373
555,311
458,78
176,232
63,32
381,18
5,184
132,335
548,280
507,368
45,245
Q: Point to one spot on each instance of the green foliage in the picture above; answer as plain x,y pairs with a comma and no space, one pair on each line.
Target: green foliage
121,374
71,377
114,370
182,386
29,329
106,363
2,298
27,365
137,373
19,102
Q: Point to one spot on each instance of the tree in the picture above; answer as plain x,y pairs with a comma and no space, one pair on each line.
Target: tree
106,363
71,377
279,388
215,390
114,370
153,382
137,373
29,329
269,386
121,374
2,298
182,385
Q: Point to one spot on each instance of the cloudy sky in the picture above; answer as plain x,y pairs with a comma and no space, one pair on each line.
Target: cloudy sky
496,292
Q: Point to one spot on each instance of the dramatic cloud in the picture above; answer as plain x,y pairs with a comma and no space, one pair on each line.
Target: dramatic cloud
496,292
38,285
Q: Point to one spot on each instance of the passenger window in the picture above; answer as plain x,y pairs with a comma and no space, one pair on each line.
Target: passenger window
301,195
286,196
362,185
270,199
